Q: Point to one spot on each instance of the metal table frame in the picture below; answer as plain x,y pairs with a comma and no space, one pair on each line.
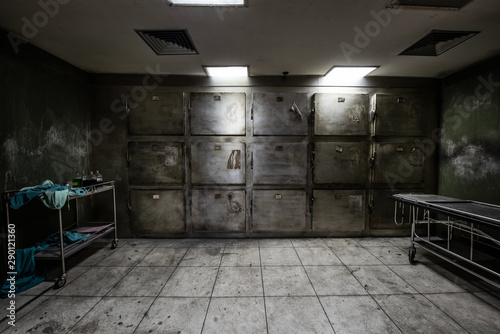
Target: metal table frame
65,251
418,209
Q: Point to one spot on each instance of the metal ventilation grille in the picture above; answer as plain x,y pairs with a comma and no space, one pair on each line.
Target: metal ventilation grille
437,42
439,4
169,42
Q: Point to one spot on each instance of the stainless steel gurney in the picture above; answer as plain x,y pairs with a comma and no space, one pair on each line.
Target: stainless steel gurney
459,231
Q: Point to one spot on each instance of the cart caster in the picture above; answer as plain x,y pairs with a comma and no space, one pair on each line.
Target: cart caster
60,283
411,254
114,244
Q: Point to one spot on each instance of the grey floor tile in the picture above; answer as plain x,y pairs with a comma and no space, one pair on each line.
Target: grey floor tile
373,242
190,282
210,243
357,314
238,281
469,311
309,242
492,298
125,257
236,315
276,256
403,242
162,257
318,257
55,315
90,256
241,256
286,281
142,282
296,315
106,317
334,280
275,243
461,278
23,305
203,256
425,280
97,281
355,256
174,315
239,243
380,280
175,243
136,242
416,314
341,242
389,255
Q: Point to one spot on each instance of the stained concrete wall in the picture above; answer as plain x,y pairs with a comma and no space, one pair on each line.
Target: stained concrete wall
469,164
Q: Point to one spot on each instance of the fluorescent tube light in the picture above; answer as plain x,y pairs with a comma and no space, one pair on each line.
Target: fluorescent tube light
207,2
226,71
349,73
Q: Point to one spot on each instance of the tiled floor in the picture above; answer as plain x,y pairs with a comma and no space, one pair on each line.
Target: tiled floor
363,285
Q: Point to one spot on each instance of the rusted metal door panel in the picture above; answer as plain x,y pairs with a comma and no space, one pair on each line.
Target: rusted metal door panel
218,210
155,163
397,163
339,210
341,114
218,113
279,163
341,162
382,216
279,210
400,115
280,114
160,113
218,163
157,212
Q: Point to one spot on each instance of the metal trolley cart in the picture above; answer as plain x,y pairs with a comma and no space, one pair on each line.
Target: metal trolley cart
469,221
95,229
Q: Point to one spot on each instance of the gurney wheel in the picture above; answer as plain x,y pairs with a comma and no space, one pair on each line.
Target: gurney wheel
114,244
60,283
411,254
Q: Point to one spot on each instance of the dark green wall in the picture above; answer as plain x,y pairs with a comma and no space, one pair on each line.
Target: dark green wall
469,166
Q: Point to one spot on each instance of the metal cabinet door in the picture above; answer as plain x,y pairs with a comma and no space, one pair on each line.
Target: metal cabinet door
399,115
397,163
339,210
279,210
157,212
155,163
382,215
218,163
218,113
341,162
341,114
160,113
284,114
280,163
218,210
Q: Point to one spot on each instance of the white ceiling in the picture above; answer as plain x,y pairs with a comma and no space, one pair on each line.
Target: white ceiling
271,36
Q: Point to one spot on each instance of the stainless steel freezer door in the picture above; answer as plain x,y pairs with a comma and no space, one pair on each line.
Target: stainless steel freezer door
160,113
155,163
157,212
341,162
218,210
341,114
397,163
382,217
280,114
218,113
218,163
279,210
339,210
400,115
279,163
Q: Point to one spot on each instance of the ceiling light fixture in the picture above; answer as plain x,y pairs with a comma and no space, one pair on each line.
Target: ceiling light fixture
339,73
226,71
207,2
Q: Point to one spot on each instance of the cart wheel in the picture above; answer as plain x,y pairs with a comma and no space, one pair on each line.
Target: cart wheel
60,283
114,244
411,254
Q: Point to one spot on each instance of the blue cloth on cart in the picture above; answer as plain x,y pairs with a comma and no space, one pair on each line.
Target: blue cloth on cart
54,240
52,195
26,276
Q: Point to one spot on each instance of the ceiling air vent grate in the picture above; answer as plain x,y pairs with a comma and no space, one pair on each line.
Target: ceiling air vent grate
169,42
429,4
438,42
